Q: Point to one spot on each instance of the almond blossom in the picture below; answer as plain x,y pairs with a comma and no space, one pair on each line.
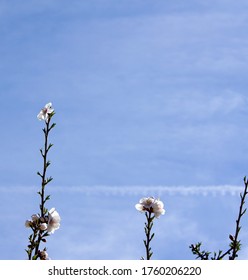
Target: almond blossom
53,221
45,113
43,226
35,217
152,205
28,223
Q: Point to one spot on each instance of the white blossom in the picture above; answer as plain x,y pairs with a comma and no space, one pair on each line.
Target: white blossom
28,224
35,217
43,226
151,205
44,114
158,208
145,204
53,221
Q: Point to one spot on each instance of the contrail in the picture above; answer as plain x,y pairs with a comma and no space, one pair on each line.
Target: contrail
153,190
158,190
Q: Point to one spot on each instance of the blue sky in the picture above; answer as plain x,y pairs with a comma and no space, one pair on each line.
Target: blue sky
147,94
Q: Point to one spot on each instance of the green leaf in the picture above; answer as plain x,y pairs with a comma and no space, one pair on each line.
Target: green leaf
49,180
152,236
41,151
35,257
52,126
49,147
47,198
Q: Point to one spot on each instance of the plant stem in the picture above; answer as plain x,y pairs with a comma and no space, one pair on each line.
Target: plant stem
44,181
236,242
149,237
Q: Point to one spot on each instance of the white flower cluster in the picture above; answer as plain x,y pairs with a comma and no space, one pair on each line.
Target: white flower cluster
50,224
152,205
45,113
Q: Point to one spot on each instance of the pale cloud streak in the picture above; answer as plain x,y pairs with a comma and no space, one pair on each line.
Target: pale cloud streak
158,190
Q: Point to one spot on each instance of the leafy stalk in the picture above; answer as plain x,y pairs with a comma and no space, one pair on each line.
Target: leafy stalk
235,244
149,235
38,234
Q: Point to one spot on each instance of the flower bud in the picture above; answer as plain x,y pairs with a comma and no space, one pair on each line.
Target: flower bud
35,217
43,226
43,255
28,224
